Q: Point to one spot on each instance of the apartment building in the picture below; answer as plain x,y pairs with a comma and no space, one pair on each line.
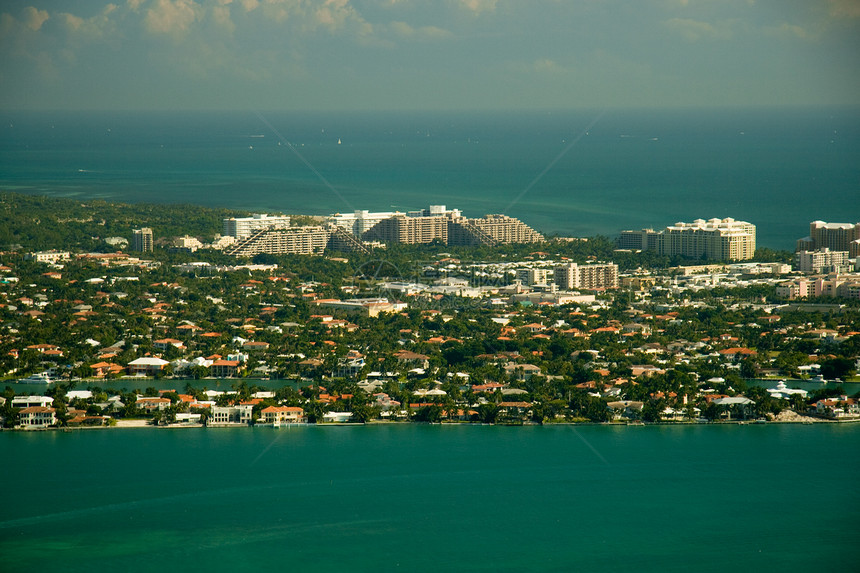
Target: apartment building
244,227
822,261
715,239
590,276
142,240
833,236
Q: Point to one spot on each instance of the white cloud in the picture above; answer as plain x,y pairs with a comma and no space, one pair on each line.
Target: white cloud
171,16
404,30
221,16
844,8
694,30
790,30
479,6
34,18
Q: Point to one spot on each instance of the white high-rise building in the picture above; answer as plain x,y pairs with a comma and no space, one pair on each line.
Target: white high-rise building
715,239
360,221
591,276
243,227
822,261
532,277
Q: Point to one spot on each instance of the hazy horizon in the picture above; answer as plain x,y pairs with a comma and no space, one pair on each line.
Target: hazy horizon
403,55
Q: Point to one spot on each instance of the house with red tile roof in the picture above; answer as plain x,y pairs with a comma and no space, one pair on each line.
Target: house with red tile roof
278,415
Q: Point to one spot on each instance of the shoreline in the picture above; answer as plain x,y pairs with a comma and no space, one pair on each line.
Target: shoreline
125,424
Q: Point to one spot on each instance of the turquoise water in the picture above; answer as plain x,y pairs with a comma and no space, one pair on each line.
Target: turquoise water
433,498
778,168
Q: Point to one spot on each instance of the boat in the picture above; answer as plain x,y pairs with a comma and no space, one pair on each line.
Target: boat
40,378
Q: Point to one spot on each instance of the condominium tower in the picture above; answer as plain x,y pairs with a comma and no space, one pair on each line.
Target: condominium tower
243,227
715,239
141,240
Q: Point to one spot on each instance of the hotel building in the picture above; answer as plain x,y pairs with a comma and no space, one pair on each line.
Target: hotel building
294,240
593,276
822,261
715,239
243,227
833,236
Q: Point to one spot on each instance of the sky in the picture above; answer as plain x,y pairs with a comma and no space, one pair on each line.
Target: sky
427,54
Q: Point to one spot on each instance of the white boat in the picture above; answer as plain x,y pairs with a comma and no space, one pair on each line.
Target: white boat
40,378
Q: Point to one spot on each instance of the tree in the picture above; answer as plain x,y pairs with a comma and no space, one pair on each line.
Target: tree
488,413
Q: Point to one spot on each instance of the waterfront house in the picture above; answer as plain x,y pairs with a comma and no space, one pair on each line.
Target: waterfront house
338,417
152,404
626,409
36,417
278,415
146,366
104,369
224,368
241,414
32,401
841,407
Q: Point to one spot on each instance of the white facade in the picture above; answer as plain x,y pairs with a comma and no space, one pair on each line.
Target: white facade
534,276
48,256
821,261
238,414
715,239
592,276
243,227
360,221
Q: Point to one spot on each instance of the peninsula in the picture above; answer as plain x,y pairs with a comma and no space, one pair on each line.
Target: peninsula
182,315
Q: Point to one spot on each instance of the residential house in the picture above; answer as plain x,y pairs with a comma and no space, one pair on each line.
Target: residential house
32,401
152,404
166,343
278,415
228,415
522,372
104,369
412,359
37,417
225,368
146,366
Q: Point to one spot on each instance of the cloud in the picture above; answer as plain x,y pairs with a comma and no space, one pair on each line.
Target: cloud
404,30
479,6
695,30
221,16
171,16
34,18
790,30
844,8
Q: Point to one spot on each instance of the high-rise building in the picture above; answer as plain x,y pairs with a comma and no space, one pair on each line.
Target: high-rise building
590,276
243,227
409,230
715,239
822,261
142,240
833,236
501,229
295,240
533,276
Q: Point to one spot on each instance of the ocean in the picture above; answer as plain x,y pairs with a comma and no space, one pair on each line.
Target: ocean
433,498
579,173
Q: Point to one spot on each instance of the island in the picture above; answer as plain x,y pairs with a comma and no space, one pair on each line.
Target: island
180,316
